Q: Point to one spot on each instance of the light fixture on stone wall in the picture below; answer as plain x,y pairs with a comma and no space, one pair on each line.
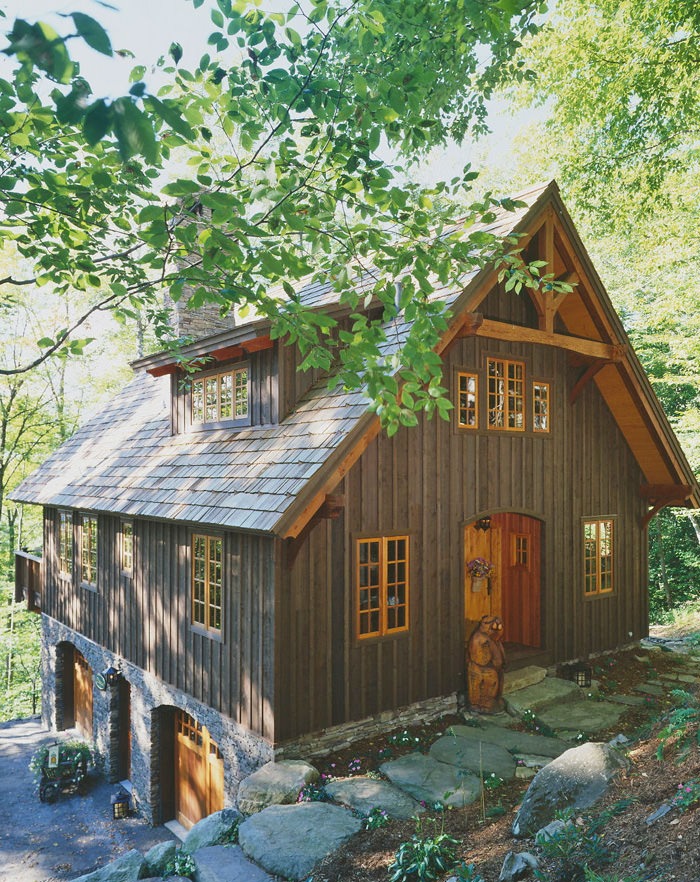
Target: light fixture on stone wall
120,804
109,677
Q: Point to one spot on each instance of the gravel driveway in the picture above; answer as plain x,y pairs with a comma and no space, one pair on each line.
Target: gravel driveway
74,835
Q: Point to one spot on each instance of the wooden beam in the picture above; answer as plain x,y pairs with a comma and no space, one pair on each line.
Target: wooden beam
162,370
661,496
609,352
227,352
256,344
329,510
318,497
585,378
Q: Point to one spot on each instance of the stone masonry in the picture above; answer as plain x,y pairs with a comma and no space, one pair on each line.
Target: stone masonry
243,751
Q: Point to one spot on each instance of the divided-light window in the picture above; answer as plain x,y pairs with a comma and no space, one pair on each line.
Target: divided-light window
467,401
127,546
65,543
382,586
598,557
540,407
207,582
88,550
220,397
506,394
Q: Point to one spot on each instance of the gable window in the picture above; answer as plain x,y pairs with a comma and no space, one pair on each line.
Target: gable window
207,581
382,586
540,407
506,394
598,557
65,543
467,401
127,549
88,550
220,397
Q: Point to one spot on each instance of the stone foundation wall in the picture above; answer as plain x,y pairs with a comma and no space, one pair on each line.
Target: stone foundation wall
243,751
337,737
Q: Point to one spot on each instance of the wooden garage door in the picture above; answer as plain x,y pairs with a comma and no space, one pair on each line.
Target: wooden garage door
82,694
199,771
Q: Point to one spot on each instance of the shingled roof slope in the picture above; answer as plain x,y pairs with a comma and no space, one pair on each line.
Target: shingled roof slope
126,461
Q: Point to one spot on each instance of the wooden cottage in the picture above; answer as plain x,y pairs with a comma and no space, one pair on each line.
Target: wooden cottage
235,567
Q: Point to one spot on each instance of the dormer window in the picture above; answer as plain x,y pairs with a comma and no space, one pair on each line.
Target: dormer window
220,397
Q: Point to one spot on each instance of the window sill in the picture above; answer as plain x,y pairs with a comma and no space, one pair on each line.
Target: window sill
381,638
206,632
89,586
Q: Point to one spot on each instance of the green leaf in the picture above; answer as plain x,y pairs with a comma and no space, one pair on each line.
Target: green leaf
175,52
97,121
170,114
92,32
134,130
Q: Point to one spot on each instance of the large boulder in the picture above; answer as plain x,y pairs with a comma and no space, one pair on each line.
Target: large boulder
275,783
289,840
212,830
576,780
479,757
518,866
126,868
364,794
224,863
157,858
430,781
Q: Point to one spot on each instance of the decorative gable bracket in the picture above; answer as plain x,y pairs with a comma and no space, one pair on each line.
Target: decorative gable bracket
661,496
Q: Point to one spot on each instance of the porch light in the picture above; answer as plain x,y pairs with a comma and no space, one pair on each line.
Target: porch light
483,523
109,677
120,804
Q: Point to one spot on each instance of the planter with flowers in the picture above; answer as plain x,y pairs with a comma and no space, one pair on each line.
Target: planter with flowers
480,571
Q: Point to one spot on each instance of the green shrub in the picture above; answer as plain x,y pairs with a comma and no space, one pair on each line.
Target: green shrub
376,819
181,865
682,724
423,858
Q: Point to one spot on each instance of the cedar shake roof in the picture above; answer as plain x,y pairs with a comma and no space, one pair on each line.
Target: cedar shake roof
273,478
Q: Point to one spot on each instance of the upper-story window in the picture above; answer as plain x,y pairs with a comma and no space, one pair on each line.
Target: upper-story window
207,582
540,407
127,546
508,404
65,543
506,394
220,397
88,550
467,400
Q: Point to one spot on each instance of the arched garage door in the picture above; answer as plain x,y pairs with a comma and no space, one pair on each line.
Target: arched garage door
199,771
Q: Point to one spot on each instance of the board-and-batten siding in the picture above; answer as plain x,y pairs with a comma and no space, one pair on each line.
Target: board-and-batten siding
428,482
145,617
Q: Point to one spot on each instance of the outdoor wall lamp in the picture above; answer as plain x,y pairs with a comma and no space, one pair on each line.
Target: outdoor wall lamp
483,523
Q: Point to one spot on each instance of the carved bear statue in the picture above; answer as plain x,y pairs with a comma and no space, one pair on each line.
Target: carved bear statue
485,662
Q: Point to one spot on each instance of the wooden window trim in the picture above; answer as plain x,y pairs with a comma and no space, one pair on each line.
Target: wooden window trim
595,575
521,551
536,400
507,411
89,548
66,551
462,413
384,607
126,549
234,371
203,605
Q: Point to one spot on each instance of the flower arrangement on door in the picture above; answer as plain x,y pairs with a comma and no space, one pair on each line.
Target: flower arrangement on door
480,571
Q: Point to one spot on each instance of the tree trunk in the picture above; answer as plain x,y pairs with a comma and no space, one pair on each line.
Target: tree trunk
662,566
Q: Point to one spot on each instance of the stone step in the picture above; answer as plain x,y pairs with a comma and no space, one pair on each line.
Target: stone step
225,863
628,700
522,678
584,716
650,689
550,691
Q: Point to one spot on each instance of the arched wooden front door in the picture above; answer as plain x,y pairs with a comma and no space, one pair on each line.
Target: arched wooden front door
199,771
512,543
82,694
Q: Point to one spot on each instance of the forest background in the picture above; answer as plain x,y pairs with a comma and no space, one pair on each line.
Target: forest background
601,96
